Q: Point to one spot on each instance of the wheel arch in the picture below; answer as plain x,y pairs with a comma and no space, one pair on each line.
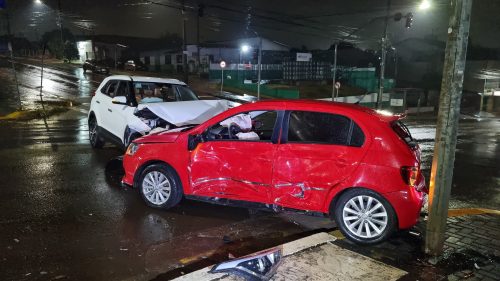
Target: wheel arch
144,165
336,197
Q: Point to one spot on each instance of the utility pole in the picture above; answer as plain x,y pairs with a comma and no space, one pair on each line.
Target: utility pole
334,71
11,51
184,46
259,68
201,13
447,125
60,20
383,57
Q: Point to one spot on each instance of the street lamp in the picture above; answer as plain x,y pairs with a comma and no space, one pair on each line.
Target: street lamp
245,48
424,5
38,2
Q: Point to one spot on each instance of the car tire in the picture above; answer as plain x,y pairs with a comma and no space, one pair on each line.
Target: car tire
364,216
94,137
160,186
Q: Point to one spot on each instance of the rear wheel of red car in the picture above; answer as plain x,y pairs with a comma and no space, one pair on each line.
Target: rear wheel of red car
364,216
160,186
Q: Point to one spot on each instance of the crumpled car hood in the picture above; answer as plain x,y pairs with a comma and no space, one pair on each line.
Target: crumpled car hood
159,138
186,112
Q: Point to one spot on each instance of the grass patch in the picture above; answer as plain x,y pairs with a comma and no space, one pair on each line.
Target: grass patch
59,103
25,115
51,108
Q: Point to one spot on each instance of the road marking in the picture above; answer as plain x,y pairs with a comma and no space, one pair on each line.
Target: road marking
471,211
191,259
337,234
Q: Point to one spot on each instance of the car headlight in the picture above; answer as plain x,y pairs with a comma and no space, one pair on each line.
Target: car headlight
132,149
259,266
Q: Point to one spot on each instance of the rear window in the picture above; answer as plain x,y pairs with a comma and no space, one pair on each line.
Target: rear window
404,133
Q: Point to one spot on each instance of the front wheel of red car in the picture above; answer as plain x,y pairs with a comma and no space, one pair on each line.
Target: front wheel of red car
160,186
364,216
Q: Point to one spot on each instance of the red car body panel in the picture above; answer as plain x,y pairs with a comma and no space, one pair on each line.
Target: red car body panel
295,175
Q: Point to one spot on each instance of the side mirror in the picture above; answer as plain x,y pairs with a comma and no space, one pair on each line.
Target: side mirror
119,100
193,141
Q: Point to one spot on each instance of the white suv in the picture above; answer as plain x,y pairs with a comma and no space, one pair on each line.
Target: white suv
127,107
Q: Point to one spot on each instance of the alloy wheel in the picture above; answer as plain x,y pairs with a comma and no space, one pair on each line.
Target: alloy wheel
365,216
156,188
93,131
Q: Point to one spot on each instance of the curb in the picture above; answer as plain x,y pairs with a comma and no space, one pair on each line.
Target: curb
471,211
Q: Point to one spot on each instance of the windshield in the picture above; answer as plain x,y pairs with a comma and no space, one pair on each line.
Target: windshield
149,92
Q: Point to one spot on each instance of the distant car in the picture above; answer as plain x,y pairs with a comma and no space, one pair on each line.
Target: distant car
124,108
129,65
359,167
133,65
95,67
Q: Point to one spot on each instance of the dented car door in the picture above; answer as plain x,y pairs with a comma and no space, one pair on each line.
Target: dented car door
317,153
237,168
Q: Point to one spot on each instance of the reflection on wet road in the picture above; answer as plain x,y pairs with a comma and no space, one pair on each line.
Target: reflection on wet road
64,214
58,205
476,178
66,82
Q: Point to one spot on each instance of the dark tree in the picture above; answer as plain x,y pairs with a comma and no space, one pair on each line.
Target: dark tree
62,50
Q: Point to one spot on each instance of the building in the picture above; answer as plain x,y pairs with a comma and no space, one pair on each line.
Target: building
213,52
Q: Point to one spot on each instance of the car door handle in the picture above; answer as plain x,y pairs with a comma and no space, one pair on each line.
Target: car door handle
97,101
109,109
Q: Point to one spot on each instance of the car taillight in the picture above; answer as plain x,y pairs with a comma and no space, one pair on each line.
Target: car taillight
410,175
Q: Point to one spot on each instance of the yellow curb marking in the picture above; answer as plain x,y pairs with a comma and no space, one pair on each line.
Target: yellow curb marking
471,211
337,234
191,259
13,115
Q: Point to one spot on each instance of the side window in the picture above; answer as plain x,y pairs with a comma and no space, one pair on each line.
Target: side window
357,137
110,88
318,127
248,126
122,89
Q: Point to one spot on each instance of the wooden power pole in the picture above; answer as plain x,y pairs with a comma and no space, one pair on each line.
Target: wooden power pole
447,125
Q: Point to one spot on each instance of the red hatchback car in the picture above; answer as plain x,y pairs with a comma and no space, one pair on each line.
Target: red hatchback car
350,162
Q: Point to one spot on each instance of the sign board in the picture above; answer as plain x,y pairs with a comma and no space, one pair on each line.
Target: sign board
337,85
397,102
222,64
304,56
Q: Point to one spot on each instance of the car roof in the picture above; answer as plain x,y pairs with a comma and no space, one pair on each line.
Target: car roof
147,79
323,105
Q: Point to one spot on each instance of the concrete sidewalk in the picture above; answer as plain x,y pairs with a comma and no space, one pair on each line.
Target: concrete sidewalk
472,252
316,258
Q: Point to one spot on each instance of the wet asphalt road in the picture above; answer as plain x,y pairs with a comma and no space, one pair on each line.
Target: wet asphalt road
64,216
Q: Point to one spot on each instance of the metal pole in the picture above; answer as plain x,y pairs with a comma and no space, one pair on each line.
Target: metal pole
116,47
334,74
395,67
447,125
198,43
383,57
60,25
238,72
184,50
260,68
221,79
11,49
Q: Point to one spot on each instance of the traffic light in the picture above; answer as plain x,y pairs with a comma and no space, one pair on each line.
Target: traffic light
409,20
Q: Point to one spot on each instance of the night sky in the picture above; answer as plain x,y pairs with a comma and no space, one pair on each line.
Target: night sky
315,24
